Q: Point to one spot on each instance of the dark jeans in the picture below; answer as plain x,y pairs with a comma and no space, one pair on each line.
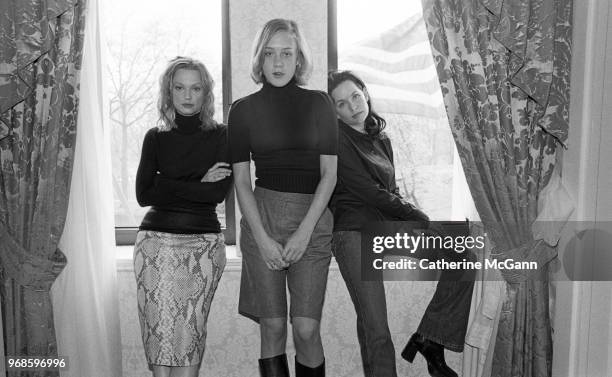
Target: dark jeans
445,320
377,352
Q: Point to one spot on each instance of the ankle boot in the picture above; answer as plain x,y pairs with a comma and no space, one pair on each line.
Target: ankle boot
304,371
433,354
276,366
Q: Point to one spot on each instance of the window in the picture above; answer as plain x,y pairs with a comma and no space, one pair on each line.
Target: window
386,44
141,36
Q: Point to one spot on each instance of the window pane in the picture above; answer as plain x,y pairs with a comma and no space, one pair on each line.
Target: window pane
385,43
141,36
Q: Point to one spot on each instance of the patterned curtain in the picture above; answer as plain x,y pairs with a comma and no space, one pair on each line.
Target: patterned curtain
40,57
504,69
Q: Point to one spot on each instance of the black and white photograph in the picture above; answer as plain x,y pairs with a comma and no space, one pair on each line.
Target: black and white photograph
305,188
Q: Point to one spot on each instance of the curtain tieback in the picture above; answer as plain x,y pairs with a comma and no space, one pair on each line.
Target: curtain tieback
27,269
533,251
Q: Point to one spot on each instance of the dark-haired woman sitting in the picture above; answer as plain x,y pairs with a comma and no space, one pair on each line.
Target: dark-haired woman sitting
366,191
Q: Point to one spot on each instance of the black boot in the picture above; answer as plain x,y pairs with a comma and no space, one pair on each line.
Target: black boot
304,371
276,366
432,352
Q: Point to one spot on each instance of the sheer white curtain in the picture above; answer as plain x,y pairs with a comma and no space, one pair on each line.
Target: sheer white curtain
85,303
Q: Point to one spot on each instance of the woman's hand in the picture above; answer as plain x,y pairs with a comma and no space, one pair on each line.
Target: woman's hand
270,250
217,172
296,246
419,215
272,253
298,242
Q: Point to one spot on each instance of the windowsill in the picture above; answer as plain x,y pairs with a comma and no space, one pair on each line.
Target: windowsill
123,256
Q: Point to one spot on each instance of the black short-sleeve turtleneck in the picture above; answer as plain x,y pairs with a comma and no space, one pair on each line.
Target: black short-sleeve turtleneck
168,178
284,130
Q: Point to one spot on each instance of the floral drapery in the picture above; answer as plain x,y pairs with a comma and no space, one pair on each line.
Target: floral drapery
40,57
504,69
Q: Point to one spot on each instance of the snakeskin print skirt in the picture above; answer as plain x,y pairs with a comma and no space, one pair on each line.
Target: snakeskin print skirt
176,278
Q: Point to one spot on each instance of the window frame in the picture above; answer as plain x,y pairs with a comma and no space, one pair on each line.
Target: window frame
125,236
332,35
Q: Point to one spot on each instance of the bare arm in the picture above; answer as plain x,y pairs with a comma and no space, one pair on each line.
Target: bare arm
271,251
297,243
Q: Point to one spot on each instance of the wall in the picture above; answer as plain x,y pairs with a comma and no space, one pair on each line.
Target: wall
232,346
583,341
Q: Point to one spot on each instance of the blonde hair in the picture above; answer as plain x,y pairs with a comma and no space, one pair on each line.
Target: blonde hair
165,107
304,59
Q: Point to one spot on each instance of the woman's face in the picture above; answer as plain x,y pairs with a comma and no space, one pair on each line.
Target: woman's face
280,59
351,104
187,91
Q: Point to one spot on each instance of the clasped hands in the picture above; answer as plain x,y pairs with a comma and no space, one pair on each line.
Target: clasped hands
279,257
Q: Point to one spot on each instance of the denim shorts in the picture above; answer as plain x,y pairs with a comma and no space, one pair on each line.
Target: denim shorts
263,292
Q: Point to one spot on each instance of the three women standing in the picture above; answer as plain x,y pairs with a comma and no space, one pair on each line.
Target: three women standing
291,135
179,254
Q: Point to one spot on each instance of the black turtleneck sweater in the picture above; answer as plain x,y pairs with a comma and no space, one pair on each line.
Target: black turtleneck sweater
284,130
168,178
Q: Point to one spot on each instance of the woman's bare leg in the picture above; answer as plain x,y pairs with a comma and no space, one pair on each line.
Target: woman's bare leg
307,338
273,333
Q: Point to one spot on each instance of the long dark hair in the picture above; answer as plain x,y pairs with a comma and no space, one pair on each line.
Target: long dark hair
374,123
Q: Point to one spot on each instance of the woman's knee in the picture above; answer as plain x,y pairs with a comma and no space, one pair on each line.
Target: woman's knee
160,371
305,329
273,327
190,371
